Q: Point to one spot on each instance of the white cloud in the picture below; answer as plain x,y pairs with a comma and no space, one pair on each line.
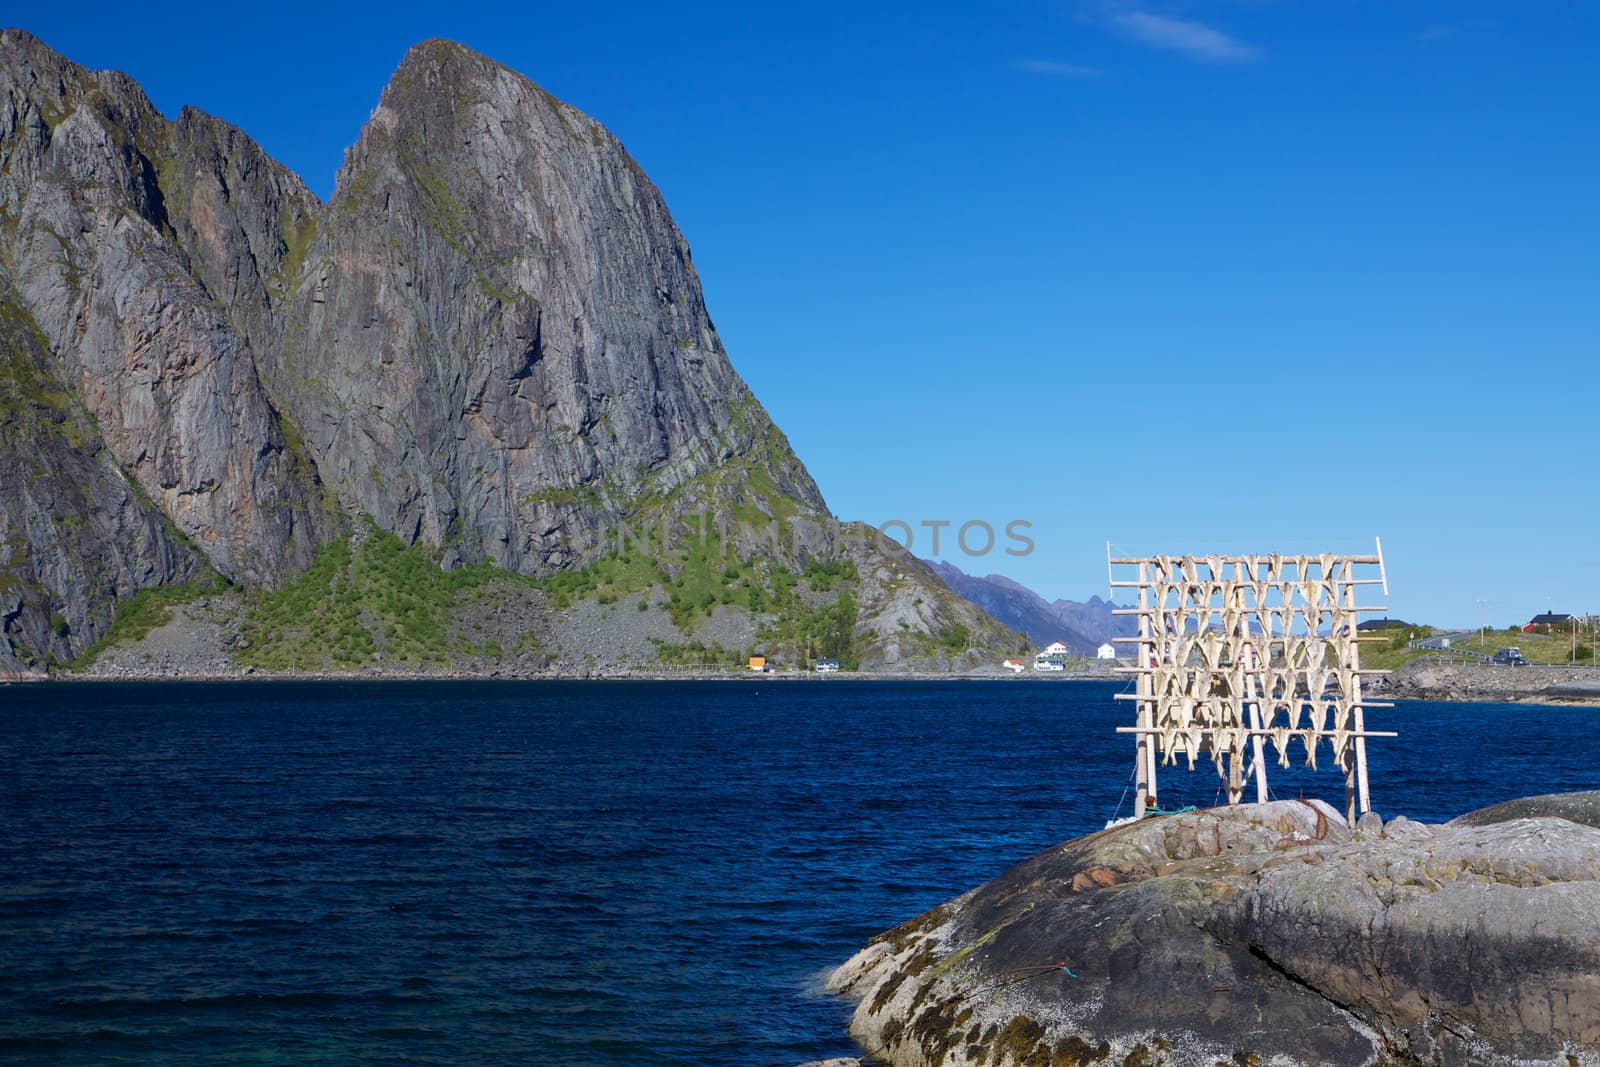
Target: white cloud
1196,40
1057,70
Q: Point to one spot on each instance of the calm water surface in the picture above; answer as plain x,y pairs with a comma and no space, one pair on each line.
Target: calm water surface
583,873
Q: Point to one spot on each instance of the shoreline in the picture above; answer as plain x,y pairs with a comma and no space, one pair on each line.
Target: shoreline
597,675
1579,696
1432,678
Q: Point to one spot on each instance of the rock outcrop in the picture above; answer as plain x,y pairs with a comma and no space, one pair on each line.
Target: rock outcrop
911,618
1440,678
1258,934
1581,808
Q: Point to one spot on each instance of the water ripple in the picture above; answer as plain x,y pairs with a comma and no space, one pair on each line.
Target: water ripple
587,873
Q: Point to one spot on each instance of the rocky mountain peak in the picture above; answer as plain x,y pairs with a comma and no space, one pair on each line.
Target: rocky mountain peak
498,313
491,342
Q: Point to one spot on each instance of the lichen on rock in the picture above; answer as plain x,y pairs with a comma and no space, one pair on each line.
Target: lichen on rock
1259,933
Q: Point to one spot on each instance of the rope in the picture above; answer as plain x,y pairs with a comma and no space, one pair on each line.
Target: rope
1027,974
1115,815
1151,812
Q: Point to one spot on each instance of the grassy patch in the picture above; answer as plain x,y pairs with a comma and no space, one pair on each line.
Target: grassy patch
1391,652
1536,647
699,654
630,570
142,612
697,575
823,576
297,234
704,577
952,639
383,600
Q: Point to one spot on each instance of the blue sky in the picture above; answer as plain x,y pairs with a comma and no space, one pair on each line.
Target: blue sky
1189,276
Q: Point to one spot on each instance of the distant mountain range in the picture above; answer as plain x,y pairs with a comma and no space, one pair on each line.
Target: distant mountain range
1081,625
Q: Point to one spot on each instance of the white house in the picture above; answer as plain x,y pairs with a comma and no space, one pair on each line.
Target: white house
1106,651
1053,658
1015,666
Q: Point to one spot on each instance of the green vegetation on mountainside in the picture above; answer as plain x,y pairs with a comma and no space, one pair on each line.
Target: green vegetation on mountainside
810,633
700,654
698,575
146,610
372,599
379,601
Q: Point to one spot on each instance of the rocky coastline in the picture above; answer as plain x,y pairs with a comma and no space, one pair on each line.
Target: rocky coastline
1439,678
202,639
554,673
197,644
1259,934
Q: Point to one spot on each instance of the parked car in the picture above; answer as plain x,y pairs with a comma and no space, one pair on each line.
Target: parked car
1509,657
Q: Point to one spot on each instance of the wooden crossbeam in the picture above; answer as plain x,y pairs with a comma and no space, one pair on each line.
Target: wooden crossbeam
1266,700
1326,609
1223,673
1172,584
1204,730
1261,559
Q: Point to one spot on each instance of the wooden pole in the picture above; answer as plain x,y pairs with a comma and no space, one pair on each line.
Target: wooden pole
1150,761
1258,749
1143,779
1347,761
1358,720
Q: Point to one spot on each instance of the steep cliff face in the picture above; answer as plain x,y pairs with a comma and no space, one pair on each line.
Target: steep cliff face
75,535
242,220
500,343
89,241
491,341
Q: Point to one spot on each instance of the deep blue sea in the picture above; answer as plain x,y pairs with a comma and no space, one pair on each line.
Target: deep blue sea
561,873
